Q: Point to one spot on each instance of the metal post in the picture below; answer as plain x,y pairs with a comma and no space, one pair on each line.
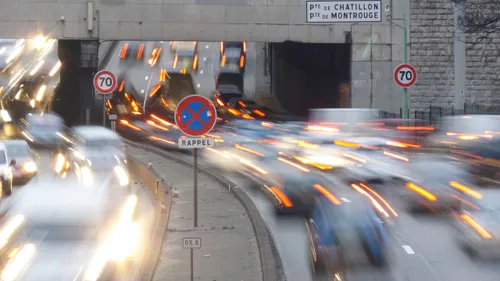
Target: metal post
404,91
459,55
103,111
192,262
87,116
195,188
113,127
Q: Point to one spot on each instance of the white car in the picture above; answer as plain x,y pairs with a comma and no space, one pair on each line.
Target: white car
100,147
22,160
45,131
6,177
477,229
71,225
176,44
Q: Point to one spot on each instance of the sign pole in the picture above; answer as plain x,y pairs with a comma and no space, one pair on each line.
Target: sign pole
191,243
104,111
404,91
195,189
192,263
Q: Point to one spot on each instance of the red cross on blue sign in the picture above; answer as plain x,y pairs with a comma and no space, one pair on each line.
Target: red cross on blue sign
195,115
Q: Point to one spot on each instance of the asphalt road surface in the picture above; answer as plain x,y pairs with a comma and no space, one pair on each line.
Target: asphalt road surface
423,245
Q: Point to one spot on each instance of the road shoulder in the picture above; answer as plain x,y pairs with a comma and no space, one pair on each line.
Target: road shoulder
229,244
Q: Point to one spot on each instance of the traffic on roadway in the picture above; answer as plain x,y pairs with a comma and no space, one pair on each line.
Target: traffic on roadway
345,193
69,207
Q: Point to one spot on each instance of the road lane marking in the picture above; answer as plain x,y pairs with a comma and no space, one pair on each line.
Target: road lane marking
206,46
146,78
142,91
201,71
408,250
198,85
204,58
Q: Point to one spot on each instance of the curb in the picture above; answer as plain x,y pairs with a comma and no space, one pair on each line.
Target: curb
268,259
154,184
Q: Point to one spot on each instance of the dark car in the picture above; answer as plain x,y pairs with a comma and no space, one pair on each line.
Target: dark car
248,107
132,51
335,227
185,60
233,60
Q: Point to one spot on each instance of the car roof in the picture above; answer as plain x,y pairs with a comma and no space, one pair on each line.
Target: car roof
95,132
60,201
19,142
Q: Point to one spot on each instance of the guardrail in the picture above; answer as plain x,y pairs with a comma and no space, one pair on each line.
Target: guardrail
154,183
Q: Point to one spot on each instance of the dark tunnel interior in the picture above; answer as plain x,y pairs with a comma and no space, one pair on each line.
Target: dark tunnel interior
306,75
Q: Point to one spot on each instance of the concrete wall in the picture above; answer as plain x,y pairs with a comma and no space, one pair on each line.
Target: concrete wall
432,31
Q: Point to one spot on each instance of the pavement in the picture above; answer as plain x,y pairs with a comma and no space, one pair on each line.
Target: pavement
229,249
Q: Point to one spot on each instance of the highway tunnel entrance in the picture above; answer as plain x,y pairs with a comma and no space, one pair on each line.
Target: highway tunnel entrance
307,75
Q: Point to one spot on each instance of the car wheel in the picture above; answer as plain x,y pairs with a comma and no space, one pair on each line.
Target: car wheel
374,259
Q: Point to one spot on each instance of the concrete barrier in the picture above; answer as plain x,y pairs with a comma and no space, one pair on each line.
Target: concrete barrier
163,203
269,258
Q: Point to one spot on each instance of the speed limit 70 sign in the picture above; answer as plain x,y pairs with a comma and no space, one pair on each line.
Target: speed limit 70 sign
105,82
405,75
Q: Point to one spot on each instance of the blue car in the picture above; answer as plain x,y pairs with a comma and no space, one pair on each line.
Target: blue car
336,227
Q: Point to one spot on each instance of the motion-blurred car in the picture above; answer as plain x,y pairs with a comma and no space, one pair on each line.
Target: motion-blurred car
74,226
248,109
242,46
10,52
483,156
185,59
340,225
132,51
6,176
22,159
155,54
44,131
176,44
438,185
478,226
233,60
96,148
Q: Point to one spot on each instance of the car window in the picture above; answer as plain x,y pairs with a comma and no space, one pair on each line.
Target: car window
3,158
16,150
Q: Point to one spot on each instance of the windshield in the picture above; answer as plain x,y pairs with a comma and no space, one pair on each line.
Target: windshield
64,232
103,143
17,150
232,53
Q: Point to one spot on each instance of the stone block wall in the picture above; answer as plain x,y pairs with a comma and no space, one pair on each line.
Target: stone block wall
431,52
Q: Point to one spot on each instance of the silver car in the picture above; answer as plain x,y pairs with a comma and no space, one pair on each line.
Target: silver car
478,226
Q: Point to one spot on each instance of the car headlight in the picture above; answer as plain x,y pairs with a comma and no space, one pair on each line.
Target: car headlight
30,167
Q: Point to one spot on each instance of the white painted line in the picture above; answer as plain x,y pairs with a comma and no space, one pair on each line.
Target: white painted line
198,85
201,71
206,46
408,250
204,58
146,78
142,91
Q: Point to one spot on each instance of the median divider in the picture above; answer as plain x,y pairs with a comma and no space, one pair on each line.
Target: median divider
162,195
270,262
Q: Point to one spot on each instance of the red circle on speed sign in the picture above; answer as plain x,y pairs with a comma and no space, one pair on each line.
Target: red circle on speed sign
405,75
105,82
195,115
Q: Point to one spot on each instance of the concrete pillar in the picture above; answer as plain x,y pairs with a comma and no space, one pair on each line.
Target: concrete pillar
74,99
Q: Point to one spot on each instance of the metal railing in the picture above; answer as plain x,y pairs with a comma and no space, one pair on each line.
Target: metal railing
434,113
